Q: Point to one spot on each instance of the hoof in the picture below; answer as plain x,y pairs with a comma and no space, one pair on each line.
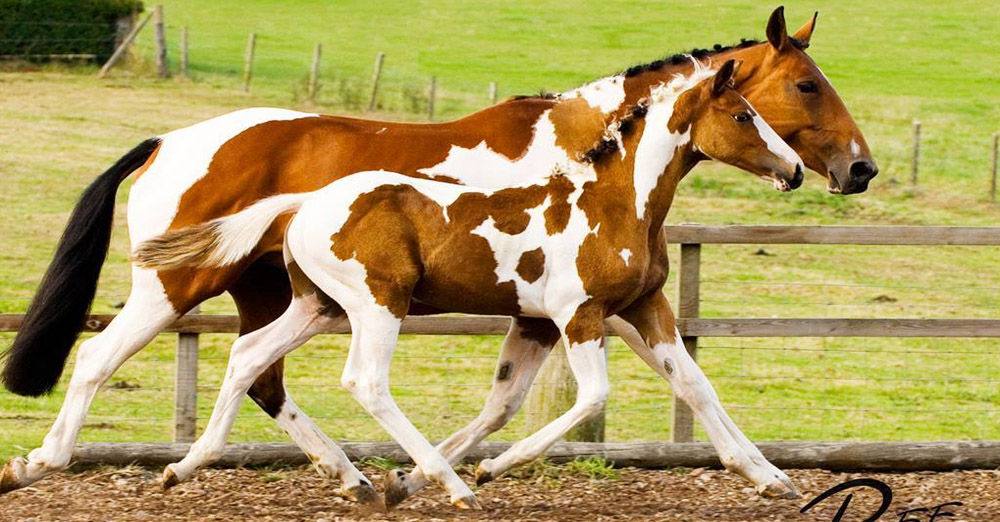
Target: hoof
470,502
170,478
395,488
782,489
483,476
8,477
365,495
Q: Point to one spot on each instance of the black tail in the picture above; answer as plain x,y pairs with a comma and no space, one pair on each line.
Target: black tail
58,312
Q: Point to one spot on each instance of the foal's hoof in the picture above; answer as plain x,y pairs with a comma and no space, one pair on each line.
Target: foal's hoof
781,489
16,467
482,475
170,478
470,502
395,488
366,496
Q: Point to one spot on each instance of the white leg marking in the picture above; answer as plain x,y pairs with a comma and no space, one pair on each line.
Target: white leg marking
589,365
366,376
145,314
250,356
737,453
517,367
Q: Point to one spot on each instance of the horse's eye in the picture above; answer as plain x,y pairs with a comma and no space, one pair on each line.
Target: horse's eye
742,117
808,87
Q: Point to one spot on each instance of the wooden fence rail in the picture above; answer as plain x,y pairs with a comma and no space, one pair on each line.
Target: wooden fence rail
692,327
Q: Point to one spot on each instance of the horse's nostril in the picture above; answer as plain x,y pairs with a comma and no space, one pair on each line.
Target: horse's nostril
863,169
798,178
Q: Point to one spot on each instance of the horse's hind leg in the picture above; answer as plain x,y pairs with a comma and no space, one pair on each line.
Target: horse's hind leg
145,314
250,356
261,295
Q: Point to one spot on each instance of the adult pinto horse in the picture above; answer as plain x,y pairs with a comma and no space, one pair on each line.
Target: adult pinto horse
220,166
573,247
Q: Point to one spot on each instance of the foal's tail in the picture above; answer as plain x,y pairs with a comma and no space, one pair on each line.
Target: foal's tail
219,242
56,315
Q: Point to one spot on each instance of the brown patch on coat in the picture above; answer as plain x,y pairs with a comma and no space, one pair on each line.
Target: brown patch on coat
578,126
531,265
558,213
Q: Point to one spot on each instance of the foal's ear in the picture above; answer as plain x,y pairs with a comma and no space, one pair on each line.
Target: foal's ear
777,33
806,31
724,77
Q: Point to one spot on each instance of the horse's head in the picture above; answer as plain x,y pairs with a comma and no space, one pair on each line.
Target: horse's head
796,99
725,127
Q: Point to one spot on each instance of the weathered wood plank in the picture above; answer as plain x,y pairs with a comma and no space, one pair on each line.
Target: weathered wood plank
710,327
871,456
823,234
694,327
688,307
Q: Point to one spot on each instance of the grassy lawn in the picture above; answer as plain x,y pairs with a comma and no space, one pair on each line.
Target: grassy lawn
890,61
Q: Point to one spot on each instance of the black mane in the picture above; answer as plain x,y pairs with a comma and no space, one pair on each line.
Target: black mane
609,145
681,58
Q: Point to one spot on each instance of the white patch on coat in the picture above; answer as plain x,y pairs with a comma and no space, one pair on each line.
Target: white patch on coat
775,144
183,159
855,148
626,255
481,166
606,94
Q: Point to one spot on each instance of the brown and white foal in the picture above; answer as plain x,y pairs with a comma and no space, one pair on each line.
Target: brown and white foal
575,247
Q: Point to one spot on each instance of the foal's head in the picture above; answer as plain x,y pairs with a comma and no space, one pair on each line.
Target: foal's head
726,128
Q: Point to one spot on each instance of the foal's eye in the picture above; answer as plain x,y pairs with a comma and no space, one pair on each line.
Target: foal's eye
808,87
742,117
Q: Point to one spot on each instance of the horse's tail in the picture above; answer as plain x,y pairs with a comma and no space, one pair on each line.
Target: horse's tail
57,313
219,242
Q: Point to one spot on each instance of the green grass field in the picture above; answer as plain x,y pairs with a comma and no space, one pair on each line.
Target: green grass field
891,62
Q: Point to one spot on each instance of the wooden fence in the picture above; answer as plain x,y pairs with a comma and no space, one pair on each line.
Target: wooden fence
692,327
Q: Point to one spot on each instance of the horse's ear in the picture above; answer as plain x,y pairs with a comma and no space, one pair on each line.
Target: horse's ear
723,77
777,33
806,31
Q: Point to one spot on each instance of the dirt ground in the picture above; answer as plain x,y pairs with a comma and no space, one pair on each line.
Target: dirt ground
539,494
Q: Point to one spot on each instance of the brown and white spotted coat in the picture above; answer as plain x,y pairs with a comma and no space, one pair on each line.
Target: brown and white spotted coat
223,165
575,247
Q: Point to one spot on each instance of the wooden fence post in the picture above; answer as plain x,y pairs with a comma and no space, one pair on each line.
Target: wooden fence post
186,386
314,72
161,43
554,393
493,93
248,61
184,51
123,48
993,176
379,58
431,94
688,299
916,153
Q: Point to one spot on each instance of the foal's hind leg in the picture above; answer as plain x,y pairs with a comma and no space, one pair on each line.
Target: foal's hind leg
145,314
250,356
525,348
366,376
261,295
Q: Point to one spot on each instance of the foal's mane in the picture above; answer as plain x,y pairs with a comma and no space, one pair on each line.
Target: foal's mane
611,140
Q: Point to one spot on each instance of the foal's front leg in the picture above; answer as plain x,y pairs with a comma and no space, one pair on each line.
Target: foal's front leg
525,348
587,360
664,351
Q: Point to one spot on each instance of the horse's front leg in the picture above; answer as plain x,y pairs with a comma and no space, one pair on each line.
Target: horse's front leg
659,344
525,348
